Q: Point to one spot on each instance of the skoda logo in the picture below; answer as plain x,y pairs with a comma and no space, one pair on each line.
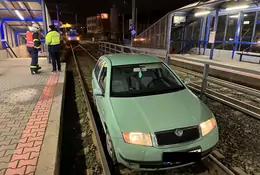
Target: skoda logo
178,132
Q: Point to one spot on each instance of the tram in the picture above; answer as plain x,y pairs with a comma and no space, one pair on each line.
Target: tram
69,34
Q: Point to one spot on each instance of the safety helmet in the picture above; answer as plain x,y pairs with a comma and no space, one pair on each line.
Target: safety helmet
35,28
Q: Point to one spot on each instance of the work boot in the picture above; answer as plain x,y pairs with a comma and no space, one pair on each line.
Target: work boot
34,71
38,67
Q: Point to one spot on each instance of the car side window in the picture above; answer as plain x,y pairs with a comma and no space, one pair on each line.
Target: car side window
103,76
98,67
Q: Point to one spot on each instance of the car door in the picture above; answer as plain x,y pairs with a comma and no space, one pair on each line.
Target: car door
101,100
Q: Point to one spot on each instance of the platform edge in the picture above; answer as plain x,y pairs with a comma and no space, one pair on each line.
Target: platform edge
49,159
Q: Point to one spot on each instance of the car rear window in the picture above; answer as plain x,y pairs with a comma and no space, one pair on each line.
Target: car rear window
142,80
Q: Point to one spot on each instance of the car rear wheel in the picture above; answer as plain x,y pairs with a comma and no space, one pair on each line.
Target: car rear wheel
110,148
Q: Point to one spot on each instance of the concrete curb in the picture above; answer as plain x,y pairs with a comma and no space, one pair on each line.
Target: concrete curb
49,159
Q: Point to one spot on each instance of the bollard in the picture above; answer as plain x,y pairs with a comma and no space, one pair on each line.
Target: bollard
204,82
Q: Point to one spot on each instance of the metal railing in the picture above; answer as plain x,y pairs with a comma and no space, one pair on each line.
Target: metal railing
108,48
10,49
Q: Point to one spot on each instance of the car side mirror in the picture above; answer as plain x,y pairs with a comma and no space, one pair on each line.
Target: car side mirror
186,81
98,92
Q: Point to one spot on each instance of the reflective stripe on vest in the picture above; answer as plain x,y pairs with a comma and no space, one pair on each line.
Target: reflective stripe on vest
29,39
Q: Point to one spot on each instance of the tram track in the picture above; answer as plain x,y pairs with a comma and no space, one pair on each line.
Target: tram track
95,134
241,98
85,63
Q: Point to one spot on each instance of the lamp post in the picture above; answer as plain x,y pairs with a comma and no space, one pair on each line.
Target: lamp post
133,20
58,17
133,14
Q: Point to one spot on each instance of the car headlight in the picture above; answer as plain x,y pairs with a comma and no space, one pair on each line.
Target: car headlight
77,38
137,138
208,126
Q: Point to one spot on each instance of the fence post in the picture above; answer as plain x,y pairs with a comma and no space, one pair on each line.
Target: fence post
115,48
204,82
109,45
122,50
105,48
215,29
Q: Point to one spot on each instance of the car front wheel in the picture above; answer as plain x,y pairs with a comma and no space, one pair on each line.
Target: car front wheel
94,100
110,148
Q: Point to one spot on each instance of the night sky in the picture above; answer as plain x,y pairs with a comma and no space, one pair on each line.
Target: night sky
146,8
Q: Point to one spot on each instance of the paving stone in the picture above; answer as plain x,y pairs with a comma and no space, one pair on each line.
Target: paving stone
20,156
17,136
16,171
10,133
26,162
6,129
23,118
30,169
7,147
3,165
18,129
6,159
5,142
2,171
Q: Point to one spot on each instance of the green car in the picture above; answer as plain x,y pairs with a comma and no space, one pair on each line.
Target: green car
151,119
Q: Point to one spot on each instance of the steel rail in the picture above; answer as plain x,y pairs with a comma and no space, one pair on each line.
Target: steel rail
241,88
231,102
101,152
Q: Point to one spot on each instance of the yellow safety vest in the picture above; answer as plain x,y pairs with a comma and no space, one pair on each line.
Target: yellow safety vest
52,38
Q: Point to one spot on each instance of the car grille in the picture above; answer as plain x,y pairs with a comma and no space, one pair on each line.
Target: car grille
177,136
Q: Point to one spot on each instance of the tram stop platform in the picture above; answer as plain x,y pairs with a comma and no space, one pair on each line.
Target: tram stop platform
30,117
243,73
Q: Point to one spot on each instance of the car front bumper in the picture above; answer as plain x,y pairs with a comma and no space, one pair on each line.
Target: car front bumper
151,158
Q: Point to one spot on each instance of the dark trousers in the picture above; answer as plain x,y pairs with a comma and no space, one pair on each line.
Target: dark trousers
34,58
55,56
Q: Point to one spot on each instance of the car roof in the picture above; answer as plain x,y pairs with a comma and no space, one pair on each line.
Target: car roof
129,58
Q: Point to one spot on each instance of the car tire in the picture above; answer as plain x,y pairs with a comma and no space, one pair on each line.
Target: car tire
110,148
94,100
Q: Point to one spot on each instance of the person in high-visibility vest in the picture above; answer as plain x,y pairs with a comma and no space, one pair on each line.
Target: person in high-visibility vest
33,44
53,41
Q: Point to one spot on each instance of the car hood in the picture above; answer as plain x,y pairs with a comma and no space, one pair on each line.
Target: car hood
149,114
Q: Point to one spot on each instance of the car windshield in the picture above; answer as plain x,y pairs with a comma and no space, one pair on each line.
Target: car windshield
143,80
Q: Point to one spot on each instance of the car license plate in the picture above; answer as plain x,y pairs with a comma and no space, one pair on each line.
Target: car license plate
196,151
181,157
